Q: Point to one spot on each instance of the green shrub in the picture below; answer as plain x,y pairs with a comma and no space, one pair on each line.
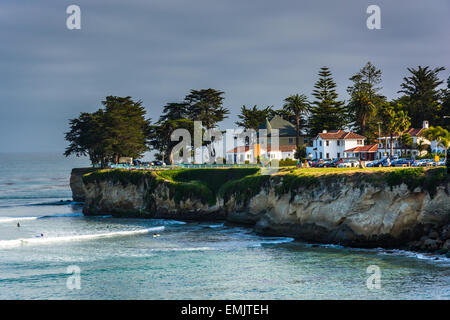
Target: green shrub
288,162
418,177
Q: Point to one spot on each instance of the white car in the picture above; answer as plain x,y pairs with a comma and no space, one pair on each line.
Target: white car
348,164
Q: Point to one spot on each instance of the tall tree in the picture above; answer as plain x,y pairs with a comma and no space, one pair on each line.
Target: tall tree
365,100
438,134
205,105
327,111
160,136
423,94
406,140
126,127
252,118
445,110
86,137
120,129
395,121
175,111
298,106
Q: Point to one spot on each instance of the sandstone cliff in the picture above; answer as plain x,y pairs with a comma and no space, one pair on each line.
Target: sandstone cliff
406,208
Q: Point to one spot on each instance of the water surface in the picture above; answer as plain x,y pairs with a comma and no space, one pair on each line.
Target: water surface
122,258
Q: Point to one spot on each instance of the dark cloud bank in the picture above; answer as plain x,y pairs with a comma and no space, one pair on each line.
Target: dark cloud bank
257,51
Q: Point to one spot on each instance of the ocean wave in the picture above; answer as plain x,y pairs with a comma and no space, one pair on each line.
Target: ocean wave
412,254
62,215
54,203
167,221
276,240
183,249
213,226
17,219
82,237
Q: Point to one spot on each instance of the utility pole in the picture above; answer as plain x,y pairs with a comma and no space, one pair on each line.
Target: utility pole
379,132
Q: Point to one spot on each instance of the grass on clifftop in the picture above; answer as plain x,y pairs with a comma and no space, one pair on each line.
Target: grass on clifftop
425,178
244,183
183,184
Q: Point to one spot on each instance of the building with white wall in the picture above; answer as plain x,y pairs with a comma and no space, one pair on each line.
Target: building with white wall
333,144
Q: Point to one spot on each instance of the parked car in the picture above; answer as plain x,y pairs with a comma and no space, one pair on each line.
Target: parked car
378,163
315,163
402,162
158,163
331,163
348,163
439,163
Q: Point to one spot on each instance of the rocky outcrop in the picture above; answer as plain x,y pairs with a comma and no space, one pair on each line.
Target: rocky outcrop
76,183
350,210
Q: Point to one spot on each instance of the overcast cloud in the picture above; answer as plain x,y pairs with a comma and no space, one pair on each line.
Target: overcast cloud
257,51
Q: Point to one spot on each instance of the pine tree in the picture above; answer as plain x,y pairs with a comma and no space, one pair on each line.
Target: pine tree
252,118
423,94
327,111
365,100
205,105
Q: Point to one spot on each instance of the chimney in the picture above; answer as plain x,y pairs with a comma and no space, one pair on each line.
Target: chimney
425,124
324,131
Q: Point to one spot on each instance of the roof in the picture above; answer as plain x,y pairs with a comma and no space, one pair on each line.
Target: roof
239,149
340,134
368,148
284,148
414,132
286,129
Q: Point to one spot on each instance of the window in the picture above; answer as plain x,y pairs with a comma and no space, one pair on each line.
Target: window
359,142
248,156
291,140
338,143
320,143
328,143
328,156
321,155
338,154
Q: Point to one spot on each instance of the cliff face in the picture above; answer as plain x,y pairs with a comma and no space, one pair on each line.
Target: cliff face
357,210
76,183
348,213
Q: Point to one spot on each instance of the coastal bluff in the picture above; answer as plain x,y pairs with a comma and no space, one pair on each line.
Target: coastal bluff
391,208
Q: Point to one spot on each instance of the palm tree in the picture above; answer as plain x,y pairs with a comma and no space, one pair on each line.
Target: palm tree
395,122
445,143
298,105
420,146
406,140
438,134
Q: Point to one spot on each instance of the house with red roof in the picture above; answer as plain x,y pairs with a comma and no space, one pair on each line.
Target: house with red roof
384,145
334,144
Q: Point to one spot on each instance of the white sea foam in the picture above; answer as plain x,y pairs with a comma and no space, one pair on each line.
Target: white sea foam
220,225
81,237
184,249
274,240
16,219
62,215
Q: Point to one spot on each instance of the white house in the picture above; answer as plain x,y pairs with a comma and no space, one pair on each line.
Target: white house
250,153
384,146
333,144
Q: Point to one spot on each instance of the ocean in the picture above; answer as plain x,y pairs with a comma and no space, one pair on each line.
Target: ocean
57,253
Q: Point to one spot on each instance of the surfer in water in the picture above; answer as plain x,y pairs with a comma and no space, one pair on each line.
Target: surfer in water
18,225
155,235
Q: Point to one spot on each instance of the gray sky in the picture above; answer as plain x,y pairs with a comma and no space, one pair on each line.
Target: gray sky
257,51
